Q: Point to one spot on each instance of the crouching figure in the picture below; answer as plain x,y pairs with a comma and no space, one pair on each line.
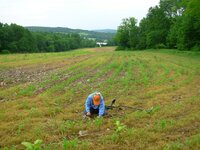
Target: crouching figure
95,105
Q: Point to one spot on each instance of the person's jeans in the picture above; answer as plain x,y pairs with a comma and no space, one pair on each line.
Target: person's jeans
94,111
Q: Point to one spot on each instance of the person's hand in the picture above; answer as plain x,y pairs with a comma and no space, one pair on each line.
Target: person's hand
88,114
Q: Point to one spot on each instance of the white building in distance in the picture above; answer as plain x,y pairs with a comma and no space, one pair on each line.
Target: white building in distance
101,43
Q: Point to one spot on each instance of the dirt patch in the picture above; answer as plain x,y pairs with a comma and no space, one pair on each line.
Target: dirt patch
36,73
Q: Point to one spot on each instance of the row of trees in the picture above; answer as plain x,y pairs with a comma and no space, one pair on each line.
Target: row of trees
15,38
172,24
99,36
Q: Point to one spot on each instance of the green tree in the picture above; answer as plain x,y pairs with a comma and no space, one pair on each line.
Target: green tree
172,24
18,39
127,34
191,25
1,36
158,25
172,8
185,30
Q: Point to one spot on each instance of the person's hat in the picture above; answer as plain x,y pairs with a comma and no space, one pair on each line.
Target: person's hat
96,99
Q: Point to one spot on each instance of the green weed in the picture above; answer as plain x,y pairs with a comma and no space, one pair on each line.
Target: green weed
189,143
70,144
98,122
194,141
175,146
67,127
161,124
153,110
28,91
20,128
141,114
70,126
11,148
120,127
37,145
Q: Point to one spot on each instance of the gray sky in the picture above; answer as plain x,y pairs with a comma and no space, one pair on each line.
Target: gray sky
81,14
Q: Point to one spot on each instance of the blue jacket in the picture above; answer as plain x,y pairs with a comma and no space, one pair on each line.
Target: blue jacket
89,103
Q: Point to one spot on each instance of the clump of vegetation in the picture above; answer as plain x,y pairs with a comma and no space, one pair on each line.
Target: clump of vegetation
70,144
37,145
98,122
153,110
163,124
188,143
11,148
120,127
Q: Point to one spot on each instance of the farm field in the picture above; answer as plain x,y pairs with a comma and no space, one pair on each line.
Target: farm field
42,96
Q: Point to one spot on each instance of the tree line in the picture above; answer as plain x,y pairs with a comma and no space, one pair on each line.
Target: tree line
172,24
98,36
17,39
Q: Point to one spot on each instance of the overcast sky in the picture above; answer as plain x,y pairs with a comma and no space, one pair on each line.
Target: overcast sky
76,14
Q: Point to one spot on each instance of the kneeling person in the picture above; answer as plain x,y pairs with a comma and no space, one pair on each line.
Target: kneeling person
95,105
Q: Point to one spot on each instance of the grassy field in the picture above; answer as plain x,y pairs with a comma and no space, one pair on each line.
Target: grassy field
42,97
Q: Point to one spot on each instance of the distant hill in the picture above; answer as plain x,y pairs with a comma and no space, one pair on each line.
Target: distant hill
105,30
99,35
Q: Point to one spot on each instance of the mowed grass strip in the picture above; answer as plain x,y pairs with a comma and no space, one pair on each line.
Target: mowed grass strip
165,83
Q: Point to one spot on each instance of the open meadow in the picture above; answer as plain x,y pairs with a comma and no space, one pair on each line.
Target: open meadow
42,97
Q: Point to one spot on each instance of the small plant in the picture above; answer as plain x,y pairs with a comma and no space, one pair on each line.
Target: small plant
37,145
163,124
70,125
67,127
167,147
140,114
28,91
120,126
115,137
187,142
11,148
153,110
175,146
20,128
193,141
64,144
98,122
85,145
71,144
172,122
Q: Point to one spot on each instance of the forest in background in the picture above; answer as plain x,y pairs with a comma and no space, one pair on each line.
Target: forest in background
173,24
99,35
18,39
